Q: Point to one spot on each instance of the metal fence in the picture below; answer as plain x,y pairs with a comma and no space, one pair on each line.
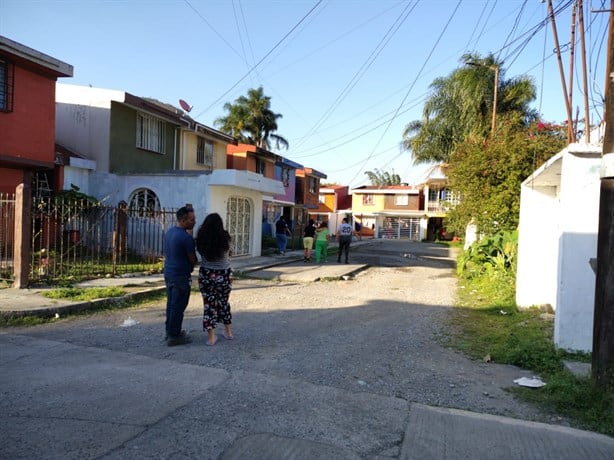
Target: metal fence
7,231
77,239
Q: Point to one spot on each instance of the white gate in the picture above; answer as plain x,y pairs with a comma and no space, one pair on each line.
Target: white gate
239,223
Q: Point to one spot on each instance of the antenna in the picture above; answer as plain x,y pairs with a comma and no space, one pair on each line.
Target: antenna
184,105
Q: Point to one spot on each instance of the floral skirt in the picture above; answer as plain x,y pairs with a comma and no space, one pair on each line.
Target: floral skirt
215,287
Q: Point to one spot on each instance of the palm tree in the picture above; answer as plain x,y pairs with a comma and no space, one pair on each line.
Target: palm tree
251,121
378,177
461,106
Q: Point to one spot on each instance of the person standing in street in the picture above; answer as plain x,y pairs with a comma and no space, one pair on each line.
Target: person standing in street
344,233
282,231
308,235
322,237
179,261
215,276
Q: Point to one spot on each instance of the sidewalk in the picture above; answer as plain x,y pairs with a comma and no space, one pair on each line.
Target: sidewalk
68,400
32,302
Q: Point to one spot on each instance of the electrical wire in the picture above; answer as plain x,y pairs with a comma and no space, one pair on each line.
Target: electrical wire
445,28
262,59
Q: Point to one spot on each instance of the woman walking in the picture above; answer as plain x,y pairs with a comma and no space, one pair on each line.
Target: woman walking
322,237
308,235
215,276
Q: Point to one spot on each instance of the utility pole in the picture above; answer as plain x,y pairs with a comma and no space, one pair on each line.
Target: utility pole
603,320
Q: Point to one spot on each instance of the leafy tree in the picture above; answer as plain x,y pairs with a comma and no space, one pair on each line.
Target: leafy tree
251,121
378,177
488,173
461,104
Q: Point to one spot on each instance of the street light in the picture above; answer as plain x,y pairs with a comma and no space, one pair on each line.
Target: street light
494,101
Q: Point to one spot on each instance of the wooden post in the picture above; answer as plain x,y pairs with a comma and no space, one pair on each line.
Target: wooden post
603,320
23,232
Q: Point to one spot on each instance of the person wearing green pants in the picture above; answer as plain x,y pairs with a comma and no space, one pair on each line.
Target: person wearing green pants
322,237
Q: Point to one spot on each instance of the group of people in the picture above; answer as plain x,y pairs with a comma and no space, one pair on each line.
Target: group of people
316,238
214,278
215,274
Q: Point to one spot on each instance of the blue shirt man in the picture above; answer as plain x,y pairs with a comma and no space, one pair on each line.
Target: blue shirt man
179,261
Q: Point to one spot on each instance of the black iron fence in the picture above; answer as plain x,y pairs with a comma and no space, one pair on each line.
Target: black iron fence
78,239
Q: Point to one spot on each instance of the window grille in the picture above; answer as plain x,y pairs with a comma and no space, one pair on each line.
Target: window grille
150,133
367,198
238,222
204,152
144,203
7,81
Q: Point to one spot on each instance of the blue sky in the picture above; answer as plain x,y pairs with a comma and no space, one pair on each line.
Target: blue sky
347,75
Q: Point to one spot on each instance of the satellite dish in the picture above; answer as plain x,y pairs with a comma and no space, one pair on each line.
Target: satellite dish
184,105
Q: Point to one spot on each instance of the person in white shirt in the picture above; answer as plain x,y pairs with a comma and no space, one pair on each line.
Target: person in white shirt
344,234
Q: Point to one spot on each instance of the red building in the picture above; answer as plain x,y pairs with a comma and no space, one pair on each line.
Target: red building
27,112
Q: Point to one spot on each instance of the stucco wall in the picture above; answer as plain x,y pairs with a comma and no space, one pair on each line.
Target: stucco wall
575,301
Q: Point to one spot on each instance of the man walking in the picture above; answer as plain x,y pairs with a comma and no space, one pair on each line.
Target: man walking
282,231
179,261
344,234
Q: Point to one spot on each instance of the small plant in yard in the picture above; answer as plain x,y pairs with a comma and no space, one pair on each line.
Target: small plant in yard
488,323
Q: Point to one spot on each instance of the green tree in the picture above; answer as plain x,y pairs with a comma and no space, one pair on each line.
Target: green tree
251,121
378,177
461,104
488,173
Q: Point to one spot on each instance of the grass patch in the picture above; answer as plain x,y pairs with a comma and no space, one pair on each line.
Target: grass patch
84,294
487,322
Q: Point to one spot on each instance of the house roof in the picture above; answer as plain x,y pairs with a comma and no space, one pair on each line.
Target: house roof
244,148
311,172
386,189
32,58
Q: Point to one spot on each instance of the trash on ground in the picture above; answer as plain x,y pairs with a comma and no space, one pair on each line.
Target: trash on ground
129,322
486,358
531,382
57,315
503,312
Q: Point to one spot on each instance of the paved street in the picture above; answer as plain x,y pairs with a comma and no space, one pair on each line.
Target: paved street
332,361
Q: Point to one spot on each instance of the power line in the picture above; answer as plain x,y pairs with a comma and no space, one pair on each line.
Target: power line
412,85
261,60
362,70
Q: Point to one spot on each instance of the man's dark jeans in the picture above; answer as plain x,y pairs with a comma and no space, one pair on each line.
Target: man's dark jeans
344,247
177,298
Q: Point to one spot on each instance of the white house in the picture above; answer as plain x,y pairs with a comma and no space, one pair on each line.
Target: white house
559,217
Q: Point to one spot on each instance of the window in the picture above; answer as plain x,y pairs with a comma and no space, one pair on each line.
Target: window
144,203
313,184
260,166
322,198
150,133
7,75
204,152
367,198
401,200
285,176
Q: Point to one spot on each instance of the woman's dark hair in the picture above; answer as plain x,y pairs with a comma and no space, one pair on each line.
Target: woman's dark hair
212,241
311,222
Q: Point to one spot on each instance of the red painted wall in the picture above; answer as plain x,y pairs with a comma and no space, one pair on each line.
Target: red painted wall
28,131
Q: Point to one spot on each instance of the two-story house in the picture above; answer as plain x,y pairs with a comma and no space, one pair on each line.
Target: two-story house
437,200
392,211
27,145
153,156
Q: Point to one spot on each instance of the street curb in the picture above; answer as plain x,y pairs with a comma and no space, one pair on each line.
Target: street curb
80,307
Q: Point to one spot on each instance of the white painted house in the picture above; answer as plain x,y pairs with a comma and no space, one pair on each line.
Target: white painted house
152,155
559,217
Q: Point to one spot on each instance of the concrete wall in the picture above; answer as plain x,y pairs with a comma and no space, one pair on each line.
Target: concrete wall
559,214
579,219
